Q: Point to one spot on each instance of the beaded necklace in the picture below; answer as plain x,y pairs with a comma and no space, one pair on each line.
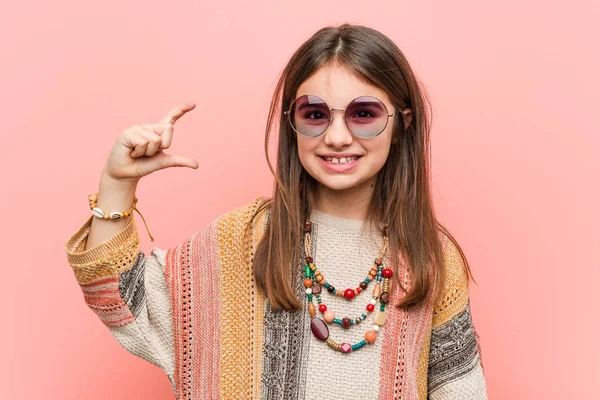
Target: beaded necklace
315,281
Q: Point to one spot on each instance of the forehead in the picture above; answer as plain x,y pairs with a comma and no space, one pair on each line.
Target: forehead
338,85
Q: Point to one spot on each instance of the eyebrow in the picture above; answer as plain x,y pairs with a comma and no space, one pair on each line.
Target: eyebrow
305,105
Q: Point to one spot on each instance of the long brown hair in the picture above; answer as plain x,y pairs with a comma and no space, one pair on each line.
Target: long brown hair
403,200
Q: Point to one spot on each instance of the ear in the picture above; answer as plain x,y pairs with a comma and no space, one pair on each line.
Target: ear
407,115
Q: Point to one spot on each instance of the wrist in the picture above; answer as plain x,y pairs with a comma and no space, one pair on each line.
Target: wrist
108,183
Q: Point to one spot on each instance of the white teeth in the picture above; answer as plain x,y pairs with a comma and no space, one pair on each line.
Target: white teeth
343,160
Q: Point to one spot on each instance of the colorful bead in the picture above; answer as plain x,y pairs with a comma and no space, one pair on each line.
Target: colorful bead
345,322
308,283
308,291
387,273
376,291
319,329
322,308
330,289
345,348
386,285
332,344
329,316
311,309
378,261
364,285
370,307
307,226
384,298
316,289
370,336
359,345
349,294
309,260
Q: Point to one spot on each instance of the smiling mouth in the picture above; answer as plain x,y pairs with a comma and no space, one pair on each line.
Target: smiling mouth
342,160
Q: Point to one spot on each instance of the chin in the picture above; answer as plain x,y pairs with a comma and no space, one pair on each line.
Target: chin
340,182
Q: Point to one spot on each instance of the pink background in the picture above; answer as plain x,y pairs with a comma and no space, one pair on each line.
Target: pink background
515,163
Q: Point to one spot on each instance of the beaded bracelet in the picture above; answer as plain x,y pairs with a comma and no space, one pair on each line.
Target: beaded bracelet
115,215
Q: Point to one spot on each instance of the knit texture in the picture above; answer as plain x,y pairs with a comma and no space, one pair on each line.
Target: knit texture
195,312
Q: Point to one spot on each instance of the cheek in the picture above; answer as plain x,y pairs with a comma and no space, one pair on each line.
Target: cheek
305,149
378,149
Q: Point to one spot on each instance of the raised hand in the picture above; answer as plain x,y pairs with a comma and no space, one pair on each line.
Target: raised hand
138,151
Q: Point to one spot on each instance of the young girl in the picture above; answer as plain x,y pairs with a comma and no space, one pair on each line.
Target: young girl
343,284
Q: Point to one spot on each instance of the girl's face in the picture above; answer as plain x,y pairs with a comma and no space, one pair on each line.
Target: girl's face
337,86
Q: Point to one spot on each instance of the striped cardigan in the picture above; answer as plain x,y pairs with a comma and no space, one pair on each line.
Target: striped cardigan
195,312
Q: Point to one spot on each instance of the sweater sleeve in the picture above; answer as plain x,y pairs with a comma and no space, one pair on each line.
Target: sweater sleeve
127,290
455,366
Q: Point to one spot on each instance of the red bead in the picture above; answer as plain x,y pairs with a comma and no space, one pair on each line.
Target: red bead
309,260
358,290
345,348
349,293
322,307
370,307
387,273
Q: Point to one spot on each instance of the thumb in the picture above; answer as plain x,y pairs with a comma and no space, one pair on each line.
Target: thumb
172,160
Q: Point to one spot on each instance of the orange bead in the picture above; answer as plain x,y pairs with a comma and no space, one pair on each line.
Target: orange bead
376,291
311,309
308,283
370,336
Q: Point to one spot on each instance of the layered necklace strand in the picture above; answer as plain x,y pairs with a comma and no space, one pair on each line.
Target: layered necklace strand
315,281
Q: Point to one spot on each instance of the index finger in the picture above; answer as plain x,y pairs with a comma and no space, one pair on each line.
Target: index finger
176,113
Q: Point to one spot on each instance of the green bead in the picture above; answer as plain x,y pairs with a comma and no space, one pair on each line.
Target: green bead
307,271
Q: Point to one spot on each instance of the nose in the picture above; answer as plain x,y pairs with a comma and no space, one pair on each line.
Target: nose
337,134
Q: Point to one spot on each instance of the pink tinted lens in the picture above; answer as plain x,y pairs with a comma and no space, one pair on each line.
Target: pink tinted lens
310,115
366,116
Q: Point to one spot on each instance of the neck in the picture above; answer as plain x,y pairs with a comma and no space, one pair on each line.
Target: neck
351,203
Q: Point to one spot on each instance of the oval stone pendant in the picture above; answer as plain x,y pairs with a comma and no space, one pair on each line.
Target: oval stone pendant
319,329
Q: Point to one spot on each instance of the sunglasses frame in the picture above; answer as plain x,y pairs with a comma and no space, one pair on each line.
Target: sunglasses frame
289,116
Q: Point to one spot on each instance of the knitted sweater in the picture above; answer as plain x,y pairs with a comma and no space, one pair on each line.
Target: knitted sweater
194,311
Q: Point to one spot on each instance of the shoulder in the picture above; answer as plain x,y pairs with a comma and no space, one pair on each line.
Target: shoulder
234,223
454,293
244,214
